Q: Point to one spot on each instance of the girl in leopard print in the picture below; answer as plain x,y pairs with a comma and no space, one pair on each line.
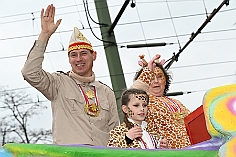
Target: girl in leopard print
133,132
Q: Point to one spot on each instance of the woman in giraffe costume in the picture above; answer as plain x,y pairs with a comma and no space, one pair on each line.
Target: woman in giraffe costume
165,115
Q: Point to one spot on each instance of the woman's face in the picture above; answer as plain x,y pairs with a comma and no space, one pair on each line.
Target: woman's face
157,86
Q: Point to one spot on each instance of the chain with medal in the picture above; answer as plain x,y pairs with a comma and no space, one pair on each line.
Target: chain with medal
175,109
93,109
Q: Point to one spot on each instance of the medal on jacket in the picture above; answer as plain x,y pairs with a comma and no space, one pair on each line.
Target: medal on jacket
175,109
178,116
90,94
93,109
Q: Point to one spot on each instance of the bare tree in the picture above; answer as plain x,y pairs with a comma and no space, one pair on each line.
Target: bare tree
18,108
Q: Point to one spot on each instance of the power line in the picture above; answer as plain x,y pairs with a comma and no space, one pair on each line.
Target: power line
86,8
172,1
184,16
186,81
172,21
183,35
23,55
58,8
55,51
205,8
204,64
35,35
87,14
17,15
79,14
174,17
143,31
46,101
153,20
203,79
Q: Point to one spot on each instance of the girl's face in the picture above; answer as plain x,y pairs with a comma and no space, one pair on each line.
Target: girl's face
137,108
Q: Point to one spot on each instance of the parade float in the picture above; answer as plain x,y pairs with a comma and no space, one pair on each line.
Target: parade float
214,121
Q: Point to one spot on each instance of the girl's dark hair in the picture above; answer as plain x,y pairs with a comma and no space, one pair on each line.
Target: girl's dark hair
125,99
166,74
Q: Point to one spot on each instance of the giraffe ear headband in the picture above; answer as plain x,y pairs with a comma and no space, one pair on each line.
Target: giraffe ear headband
143,63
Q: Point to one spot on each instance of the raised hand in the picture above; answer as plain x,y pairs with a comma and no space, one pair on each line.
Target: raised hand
47,23
135,132
152,62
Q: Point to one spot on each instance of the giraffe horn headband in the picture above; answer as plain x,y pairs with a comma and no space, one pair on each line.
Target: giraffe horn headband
143,63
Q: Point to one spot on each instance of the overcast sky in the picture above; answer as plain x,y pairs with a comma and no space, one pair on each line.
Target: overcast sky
209,61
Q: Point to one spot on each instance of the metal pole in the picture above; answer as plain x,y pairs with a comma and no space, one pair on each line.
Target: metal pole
148,45
118,17
112,54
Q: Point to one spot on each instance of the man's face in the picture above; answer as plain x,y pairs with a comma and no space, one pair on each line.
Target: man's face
82,61
157,86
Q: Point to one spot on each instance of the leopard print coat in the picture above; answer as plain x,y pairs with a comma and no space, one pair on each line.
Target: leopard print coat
160,118
117,138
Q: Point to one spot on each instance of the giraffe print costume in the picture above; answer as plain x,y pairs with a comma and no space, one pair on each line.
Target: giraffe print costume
165,115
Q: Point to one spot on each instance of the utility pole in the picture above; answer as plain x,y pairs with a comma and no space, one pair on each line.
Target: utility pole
112,54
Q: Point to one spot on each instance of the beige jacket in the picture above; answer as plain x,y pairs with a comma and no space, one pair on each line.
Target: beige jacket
71,125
